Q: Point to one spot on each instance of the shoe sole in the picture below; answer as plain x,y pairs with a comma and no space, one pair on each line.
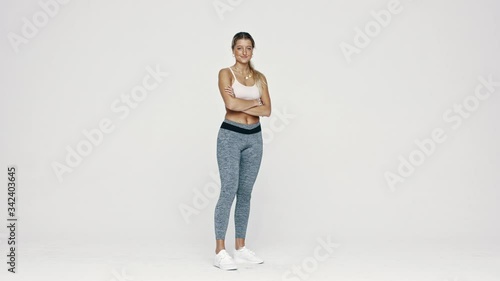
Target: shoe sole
226,268
246,262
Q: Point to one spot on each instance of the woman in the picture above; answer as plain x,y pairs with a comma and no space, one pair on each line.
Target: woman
239,148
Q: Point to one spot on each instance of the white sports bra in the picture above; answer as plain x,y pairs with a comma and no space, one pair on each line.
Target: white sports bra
245,92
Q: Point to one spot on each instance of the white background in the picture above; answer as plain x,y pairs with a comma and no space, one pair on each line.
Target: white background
323,168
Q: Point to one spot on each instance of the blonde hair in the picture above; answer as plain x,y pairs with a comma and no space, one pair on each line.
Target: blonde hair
258,77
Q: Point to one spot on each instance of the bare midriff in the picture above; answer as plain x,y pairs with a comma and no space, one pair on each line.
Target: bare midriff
241,117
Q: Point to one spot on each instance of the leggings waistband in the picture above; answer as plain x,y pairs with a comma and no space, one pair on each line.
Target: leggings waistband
240,127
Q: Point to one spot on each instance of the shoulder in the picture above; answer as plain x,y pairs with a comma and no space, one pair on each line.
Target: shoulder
260,73
261,76
225,75
224,71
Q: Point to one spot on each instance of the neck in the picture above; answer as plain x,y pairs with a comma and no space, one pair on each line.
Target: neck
244,67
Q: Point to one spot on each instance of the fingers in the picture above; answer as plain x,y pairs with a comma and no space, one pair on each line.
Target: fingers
229,90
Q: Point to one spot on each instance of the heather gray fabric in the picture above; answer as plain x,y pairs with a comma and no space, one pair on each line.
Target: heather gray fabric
238,156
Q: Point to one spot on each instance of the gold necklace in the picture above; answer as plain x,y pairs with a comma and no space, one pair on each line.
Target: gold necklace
246,77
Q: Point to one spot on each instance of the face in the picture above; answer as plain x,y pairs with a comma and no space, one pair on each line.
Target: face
243,50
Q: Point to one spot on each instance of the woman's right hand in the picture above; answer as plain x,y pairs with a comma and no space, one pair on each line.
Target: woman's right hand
229,91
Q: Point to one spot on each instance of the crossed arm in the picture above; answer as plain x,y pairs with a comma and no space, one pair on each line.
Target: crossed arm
233,103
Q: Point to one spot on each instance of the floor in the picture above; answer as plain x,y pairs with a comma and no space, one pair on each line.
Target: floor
148,261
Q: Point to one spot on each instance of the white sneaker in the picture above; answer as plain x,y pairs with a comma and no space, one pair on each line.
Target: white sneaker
224,261
244,255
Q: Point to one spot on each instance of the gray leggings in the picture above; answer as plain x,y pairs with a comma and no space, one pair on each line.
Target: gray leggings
239,154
